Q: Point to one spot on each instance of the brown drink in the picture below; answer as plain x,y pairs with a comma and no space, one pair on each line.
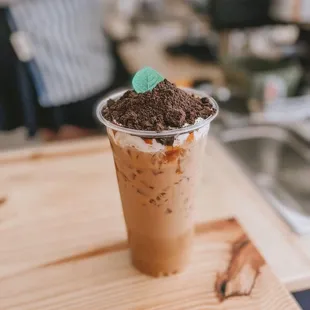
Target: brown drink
157,176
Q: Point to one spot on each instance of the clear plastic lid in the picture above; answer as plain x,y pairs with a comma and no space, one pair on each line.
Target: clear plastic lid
148,133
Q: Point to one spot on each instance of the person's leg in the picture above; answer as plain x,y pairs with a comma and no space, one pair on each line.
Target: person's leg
303,299
68,121
10,103
50,121
79,118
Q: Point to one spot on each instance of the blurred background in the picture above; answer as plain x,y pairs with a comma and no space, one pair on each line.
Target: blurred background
58,58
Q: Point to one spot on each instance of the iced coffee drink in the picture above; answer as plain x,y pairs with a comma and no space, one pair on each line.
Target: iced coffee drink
158,140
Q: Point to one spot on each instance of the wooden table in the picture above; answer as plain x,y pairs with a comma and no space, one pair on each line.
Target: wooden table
61,202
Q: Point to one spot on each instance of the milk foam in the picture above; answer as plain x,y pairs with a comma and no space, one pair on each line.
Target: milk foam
127,140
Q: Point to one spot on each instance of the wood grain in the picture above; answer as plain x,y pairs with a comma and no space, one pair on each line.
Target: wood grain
63,210
104,279
243,269
2,200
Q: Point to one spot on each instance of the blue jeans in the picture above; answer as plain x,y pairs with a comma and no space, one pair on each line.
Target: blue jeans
303,299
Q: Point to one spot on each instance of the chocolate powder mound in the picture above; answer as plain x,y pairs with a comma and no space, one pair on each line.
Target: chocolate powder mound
165,107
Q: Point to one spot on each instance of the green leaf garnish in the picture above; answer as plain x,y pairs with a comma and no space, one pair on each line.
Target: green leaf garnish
146,79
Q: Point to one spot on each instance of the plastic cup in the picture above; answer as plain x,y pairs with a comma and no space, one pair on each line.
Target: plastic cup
157,185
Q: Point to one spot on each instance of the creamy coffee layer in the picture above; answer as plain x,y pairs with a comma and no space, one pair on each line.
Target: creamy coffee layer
152,145
157,185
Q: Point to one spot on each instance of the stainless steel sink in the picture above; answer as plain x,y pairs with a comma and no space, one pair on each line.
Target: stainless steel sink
278,161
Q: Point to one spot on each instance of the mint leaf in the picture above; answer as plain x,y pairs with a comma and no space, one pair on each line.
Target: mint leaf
146,79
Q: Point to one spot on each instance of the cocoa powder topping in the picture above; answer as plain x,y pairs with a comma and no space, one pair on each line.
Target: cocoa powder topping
162,108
